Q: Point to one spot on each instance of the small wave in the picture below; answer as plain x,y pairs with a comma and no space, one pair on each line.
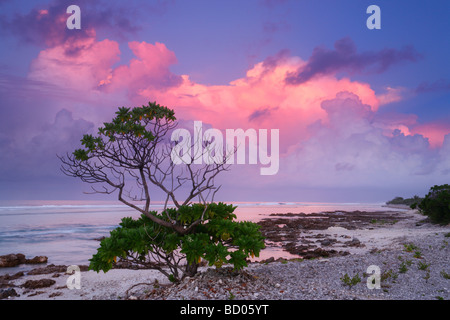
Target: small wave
53,232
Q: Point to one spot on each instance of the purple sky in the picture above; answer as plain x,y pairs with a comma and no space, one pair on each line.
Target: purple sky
364,115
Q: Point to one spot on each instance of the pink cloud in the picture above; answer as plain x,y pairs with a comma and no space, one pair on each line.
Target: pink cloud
149,70
331,134
391,95
80,64
261,99
434,131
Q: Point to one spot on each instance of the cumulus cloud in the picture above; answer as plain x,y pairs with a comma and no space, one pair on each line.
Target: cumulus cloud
435,131
261,99
35,155
79,64
148,71
350,149
331,134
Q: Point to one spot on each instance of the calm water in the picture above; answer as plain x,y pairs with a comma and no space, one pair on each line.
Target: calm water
64,231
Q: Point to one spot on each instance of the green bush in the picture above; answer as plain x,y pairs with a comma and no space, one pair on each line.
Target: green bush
412,202
218,240
436,204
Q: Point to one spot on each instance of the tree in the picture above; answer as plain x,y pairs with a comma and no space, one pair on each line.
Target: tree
436,204
134,151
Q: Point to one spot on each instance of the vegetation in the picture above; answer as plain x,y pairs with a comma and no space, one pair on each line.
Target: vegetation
409,247
383,221
131,156
408,201
403,267
350,281
436,204
423,265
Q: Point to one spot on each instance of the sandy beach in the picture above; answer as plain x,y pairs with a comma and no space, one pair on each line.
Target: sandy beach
343,244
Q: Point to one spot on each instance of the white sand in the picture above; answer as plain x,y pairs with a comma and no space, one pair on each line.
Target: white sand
387,237
93,286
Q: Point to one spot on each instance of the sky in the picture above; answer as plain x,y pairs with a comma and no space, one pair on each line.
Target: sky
363,114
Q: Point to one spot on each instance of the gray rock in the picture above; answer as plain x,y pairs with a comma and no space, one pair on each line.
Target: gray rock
6,293
12,260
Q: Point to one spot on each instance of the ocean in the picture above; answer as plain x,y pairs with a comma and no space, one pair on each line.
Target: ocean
65,231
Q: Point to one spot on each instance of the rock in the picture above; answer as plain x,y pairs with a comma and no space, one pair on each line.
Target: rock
353,243
15,276
37,260
35,284
51,268
5,284
5,279
14,259
11,260
55,294
327,242
36,293
48,269
269,260
6,293
319,252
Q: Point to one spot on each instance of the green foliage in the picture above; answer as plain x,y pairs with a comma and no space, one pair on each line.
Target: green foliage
436,204
423,265
408,201
403,268
350,281
130,124
218,239
387,275
409,247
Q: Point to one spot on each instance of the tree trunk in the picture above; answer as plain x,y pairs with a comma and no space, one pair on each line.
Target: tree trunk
191,270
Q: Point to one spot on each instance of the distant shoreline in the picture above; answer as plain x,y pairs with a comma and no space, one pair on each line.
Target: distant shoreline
397,206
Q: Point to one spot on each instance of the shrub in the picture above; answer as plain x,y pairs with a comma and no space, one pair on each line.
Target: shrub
350,281
412,202
218,240
436,204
